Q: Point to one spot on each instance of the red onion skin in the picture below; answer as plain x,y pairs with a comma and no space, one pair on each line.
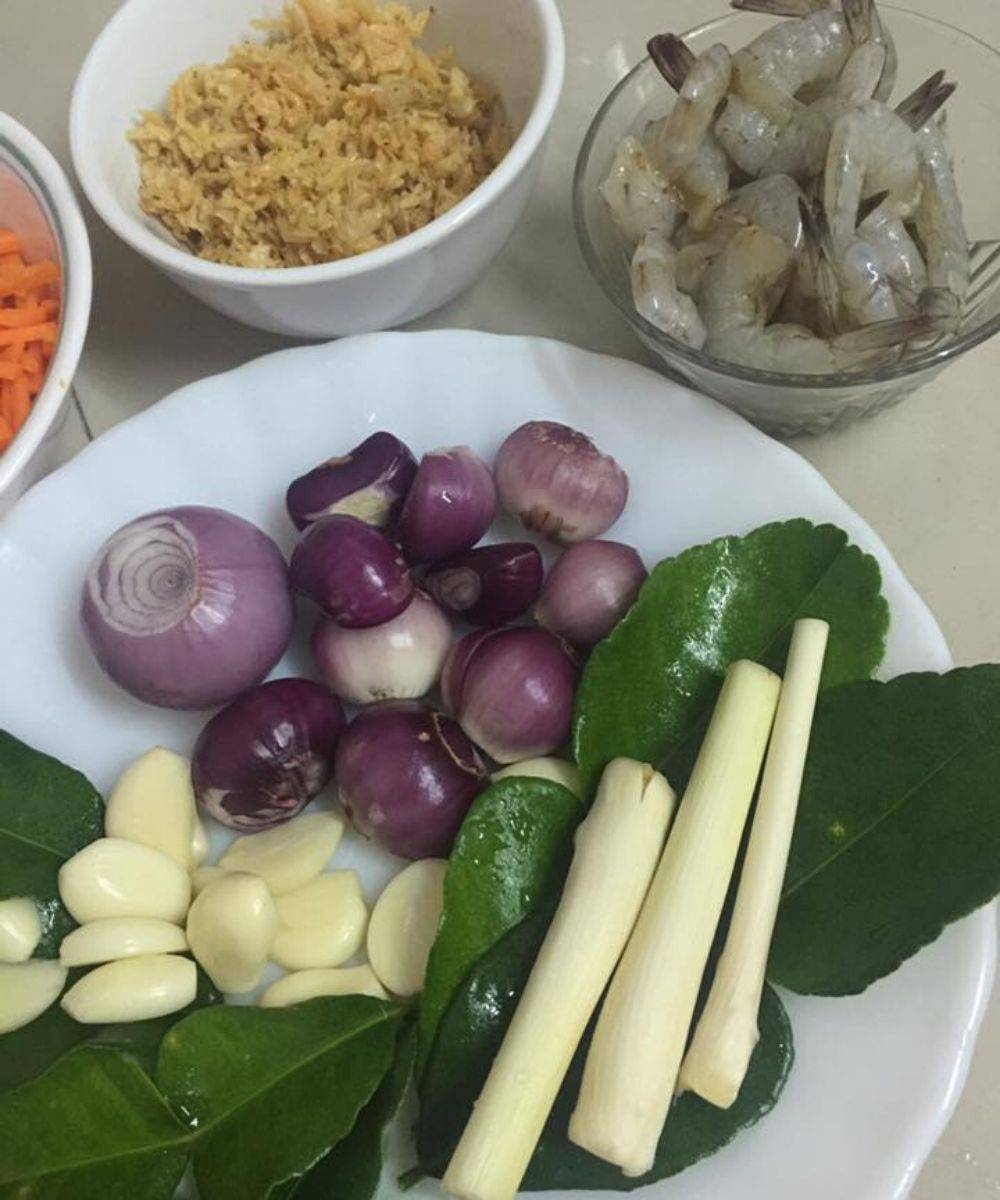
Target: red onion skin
259,761
449,507
489,585
407,777
556,481
513,692
352,571
456,664
399,660
209,622
590,587
369,483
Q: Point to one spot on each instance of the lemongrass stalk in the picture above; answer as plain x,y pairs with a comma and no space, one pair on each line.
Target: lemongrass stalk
616,851
631,1069
717,1059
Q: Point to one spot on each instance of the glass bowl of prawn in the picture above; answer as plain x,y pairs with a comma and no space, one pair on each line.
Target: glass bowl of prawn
789,404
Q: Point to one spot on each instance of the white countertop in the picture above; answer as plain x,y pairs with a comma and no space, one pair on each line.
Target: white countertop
925,474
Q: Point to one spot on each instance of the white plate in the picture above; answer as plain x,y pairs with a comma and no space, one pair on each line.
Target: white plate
876,1076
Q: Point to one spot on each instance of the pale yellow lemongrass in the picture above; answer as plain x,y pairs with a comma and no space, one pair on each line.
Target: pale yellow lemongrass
632,1065
616,850
726,1034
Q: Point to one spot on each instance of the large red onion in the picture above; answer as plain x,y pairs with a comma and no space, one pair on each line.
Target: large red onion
589,589
512,691
489,585
399,660
558,483
352,571
187,607
261,760
369,483
449,507
406,777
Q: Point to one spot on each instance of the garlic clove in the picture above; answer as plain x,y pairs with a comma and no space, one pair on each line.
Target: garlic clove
199,842
557,770
133,989
306,985
20,929
27,989
153,804
201,877
116,878
289,855
120,937
321,924
230,929
404,924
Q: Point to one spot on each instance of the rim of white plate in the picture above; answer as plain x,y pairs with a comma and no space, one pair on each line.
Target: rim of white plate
935,1112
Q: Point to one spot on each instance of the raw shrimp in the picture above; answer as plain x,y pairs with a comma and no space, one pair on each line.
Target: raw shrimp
656,295
740,291
939,218
637,194
897,253
803,8
772,69
682,144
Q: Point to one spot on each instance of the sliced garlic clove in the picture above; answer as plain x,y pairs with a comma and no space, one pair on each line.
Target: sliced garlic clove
288,856
199,842
153,804
133,989
321,924
306,985
230,929
557,770
27,989
201,877
120,937
20,929
116,878
404,924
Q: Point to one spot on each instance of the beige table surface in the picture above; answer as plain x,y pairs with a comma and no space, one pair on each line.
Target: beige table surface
925,474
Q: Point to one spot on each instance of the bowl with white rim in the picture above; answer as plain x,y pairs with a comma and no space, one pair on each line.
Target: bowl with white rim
38,204
517,47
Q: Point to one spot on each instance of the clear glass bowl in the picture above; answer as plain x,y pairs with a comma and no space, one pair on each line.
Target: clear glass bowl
790,404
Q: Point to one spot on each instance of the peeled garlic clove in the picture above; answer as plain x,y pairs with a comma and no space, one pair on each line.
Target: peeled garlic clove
27,989
116,878
321,924
289,855
120,937
153,804
133,989
20,929
230,929
404,924
558,770
199,842
305,985
203,876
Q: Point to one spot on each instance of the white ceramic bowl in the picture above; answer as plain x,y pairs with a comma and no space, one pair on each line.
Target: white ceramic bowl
37,202
517,45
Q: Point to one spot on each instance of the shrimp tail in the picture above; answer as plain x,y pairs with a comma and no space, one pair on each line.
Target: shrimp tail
860,18
781,8
922,103
819,245
869,204
896,334
671,57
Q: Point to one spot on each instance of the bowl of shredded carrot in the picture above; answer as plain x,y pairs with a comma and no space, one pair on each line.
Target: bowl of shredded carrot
45,286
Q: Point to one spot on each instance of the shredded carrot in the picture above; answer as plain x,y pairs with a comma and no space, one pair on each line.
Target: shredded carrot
29,329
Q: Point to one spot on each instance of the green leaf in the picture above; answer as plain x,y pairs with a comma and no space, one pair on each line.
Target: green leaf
28,1052
512,852
92,1128
470,1035
270,1091
649,685
47,813
353,1168
898,832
